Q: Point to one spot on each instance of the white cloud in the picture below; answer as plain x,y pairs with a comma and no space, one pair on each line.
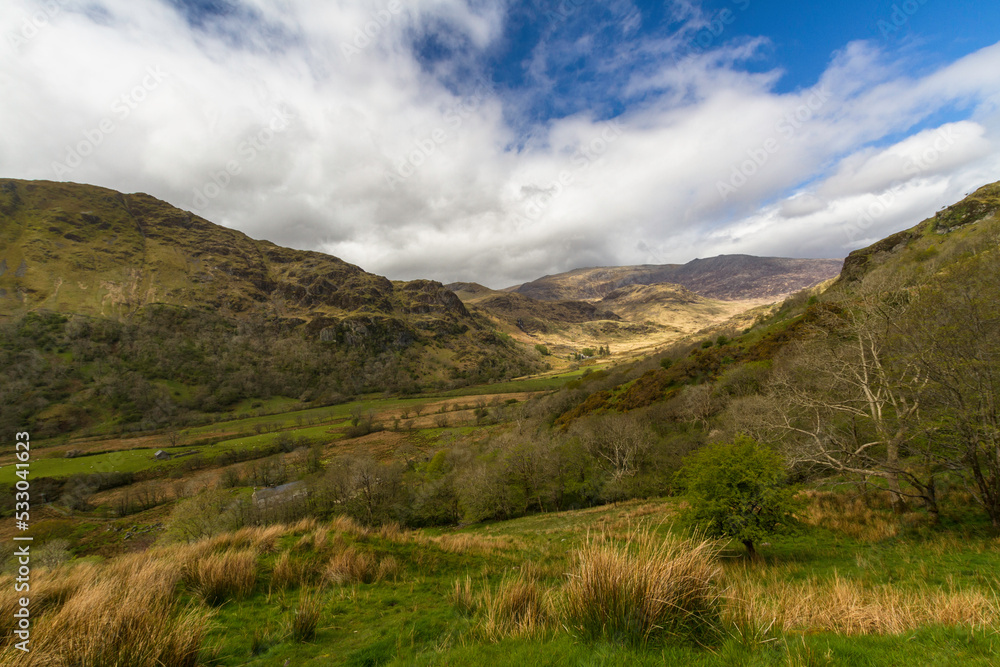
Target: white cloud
327,140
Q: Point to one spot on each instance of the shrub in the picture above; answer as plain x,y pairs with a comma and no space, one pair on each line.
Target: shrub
736,490
652,587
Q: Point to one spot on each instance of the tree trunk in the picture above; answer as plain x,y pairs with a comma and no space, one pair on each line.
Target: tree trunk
930,502
751,551
892,462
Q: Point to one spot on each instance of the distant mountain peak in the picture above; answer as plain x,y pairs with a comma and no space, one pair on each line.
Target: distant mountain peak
726,277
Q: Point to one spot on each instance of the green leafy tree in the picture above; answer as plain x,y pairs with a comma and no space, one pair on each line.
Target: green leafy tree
737,490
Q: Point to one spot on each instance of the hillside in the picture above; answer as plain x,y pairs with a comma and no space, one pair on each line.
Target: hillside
727,277
942,260
534,316
198,317
949,231
88,250
630,321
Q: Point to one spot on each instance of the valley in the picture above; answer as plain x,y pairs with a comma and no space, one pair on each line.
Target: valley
438,490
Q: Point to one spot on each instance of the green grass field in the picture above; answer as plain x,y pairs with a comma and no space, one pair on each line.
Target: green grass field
412,621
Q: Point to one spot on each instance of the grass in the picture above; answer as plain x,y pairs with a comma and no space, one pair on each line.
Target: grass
519,606
124,613
221,577
607,585
654,586
317,424
302,627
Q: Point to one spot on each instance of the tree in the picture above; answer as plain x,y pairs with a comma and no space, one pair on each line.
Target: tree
737,490
619,443
955,338
851,399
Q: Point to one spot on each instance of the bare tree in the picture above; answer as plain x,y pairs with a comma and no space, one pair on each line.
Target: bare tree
618,442
851,399
956,340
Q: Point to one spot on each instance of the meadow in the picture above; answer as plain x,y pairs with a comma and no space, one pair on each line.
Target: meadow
854,585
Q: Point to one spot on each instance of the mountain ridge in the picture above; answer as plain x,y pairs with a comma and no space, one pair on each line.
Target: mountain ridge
725,277
85,251
140,250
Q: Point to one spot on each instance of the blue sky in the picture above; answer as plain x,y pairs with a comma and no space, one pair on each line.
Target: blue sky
499,141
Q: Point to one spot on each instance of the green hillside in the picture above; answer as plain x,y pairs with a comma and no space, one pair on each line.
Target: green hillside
121,311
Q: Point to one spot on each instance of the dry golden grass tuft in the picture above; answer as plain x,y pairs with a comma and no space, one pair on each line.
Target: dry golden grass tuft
313,540
224,576
262,539
320,538
388,569
345,524
651,586
50,589
865,518
466,543
519,607
124,613
289,572
304,525
462,597
350,566
392,532
850,608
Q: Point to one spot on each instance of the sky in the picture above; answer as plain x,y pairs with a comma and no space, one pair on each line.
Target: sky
498,141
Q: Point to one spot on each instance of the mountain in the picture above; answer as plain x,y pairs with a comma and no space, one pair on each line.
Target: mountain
938,238
652,305
631,320
88,250
944,256
666,304
528,314
726,277
89,253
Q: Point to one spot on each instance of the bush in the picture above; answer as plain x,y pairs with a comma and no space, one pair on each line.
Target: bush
737,490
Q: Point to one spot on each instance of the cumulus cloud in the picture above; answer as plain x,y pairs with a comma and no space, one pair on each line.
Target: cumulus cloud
369,130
